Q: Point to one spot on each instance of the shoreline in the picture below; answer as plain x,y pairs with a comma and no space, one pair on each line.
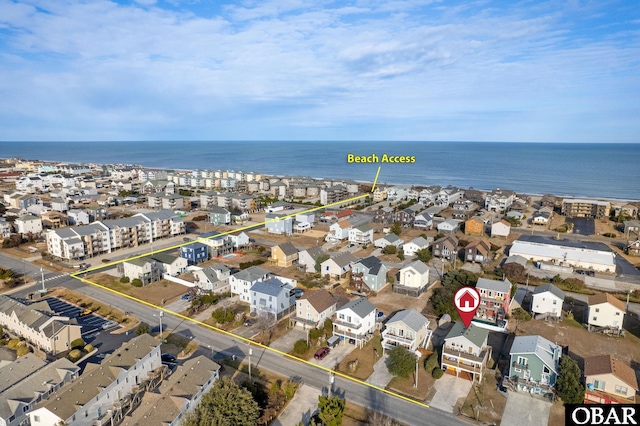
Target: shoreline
385,184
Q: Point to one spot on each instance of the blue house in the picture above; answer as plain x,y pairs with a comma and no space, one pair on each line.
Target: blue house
195,253
369,272
280,224
271,297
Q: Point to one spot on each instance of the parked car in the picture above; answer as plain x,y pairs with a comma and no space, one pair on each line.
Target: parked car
321,353
249,322
186,297
168,358
297,292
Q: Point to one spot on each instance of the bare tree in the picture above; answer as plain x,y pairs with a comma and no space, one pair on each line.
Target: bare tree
379,419
265,323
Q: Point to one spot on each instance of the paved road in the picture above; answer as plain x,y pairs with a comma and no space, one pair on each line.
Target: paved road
225,346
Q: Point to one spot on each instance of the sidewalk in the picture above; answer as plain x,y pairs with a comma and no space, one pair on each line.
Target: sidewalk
380,376
300,409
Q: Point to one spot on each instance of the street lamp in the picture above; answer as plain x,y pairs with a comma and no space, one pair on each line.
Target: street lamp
211,347
250,353
160,318
415,385
332,378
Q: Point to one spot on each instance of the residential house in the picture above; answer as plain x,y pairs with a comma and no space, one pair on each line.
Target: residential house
463,209
54,220
28,224
307,258
500,229
214,278
171,265
241,282
146,269
477,251
449,225
313,308
379,194
474,226
339,231
423,220
369,272
632,227
168,202
407,328
39,324
93,396
499,200
609,381
279,224
284,255
533,366
398,192
418,243
547,299
407,216
495,296
465,351
5,228
176,395
59,205
218,216
355,321
384,215
414,279
389,239
475,196
271,298
515,214
219,243
239,241
445,247
338,265
541,218
195,253
632,247
361,234
605,311
449,195
26,381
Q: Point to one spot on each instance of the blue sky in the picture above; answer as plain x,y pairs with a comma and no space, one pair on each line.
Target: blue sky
566,71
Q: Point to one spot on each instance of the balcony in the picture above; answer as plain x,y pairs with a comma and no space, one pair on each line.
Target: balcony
346,324
515,364
309,322
463,357
399,339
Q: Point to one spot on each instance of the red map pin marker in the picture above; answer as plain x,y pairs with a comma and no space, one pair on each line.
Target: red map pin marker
467,300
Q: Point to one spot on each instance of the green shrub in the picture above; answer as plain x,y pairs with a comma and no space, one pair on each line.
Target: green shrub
609,235
431,362
77,343
437,373
300,347
223,316
124,280
13,344
88,348
23,350
136,282
75,354
316,333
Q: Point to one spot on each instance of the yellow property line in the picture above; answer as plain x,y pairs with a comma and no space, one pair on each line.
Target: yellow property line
376,179
236,336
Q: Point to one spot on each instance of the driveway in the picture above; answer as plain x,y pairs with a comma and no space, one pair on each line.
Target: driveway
300,409
335,356
448,390
524,410
380,376
286,342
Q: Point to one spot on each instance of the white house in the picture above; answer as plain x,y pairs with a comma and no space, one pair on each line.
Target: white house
355,321
339,231
362,234
389,239
415,275
605,311
547,299
271,298
501,228
78,217
338,265
415,245
423,220
5,228
242,281
499,200
307,258
214,278
28,224
449,225
279,224
406,328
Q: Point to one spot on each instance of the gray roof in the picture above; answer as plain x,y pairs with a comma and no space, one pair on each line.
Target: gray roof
550,287
251,274
361,307
315,252
412,318
421,242
272,287
418,266
476,335
392,238
372,263
564,243
494,285
218,210
520,260
288,249
537,345
365,227
17,370
344,259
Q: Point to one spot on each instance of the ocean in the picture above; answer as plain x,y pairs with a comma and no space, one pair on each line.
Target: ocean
564,169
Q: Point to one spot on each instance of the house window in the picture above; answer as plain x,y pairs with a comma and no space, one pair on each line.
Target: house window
546,370
617,313
595,318
621,390
36,419
598,384
522,361
555,302
597,309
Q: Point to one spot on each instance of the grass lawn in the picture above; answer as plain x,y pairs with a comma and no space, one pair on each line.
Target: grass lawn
485,401
272,334
83,301
354,415
366,359
405,386
556,415
159,293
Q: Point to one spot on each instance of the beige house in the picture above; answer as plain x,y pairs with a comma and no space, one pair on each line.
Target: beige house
38,324
465,351
609,381
414,279
500,229
406,328
605,311
313,308
284,255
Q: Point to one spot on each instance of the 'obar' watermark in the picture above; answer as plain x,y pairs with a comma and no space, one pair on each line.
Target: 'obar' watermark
600,414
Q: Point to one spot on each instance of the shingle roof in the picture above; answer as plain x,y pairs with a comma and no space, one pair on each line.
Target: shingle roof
272,287
288,249
372,263
538,345
17,370
420,242
550,288
419,266
597,299
321,299
365,227
607,364
476,335
315,252
251,274
392,238
344,259
494,285
361,307
412,318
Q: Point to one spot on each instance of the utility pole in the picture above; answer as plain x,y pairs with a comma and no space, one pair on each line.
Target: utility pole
44,290
332,378
416,383
250,353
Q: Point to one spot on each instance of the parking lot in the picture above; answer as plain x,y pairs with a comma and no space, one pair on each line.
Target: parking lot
90,323
583,225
